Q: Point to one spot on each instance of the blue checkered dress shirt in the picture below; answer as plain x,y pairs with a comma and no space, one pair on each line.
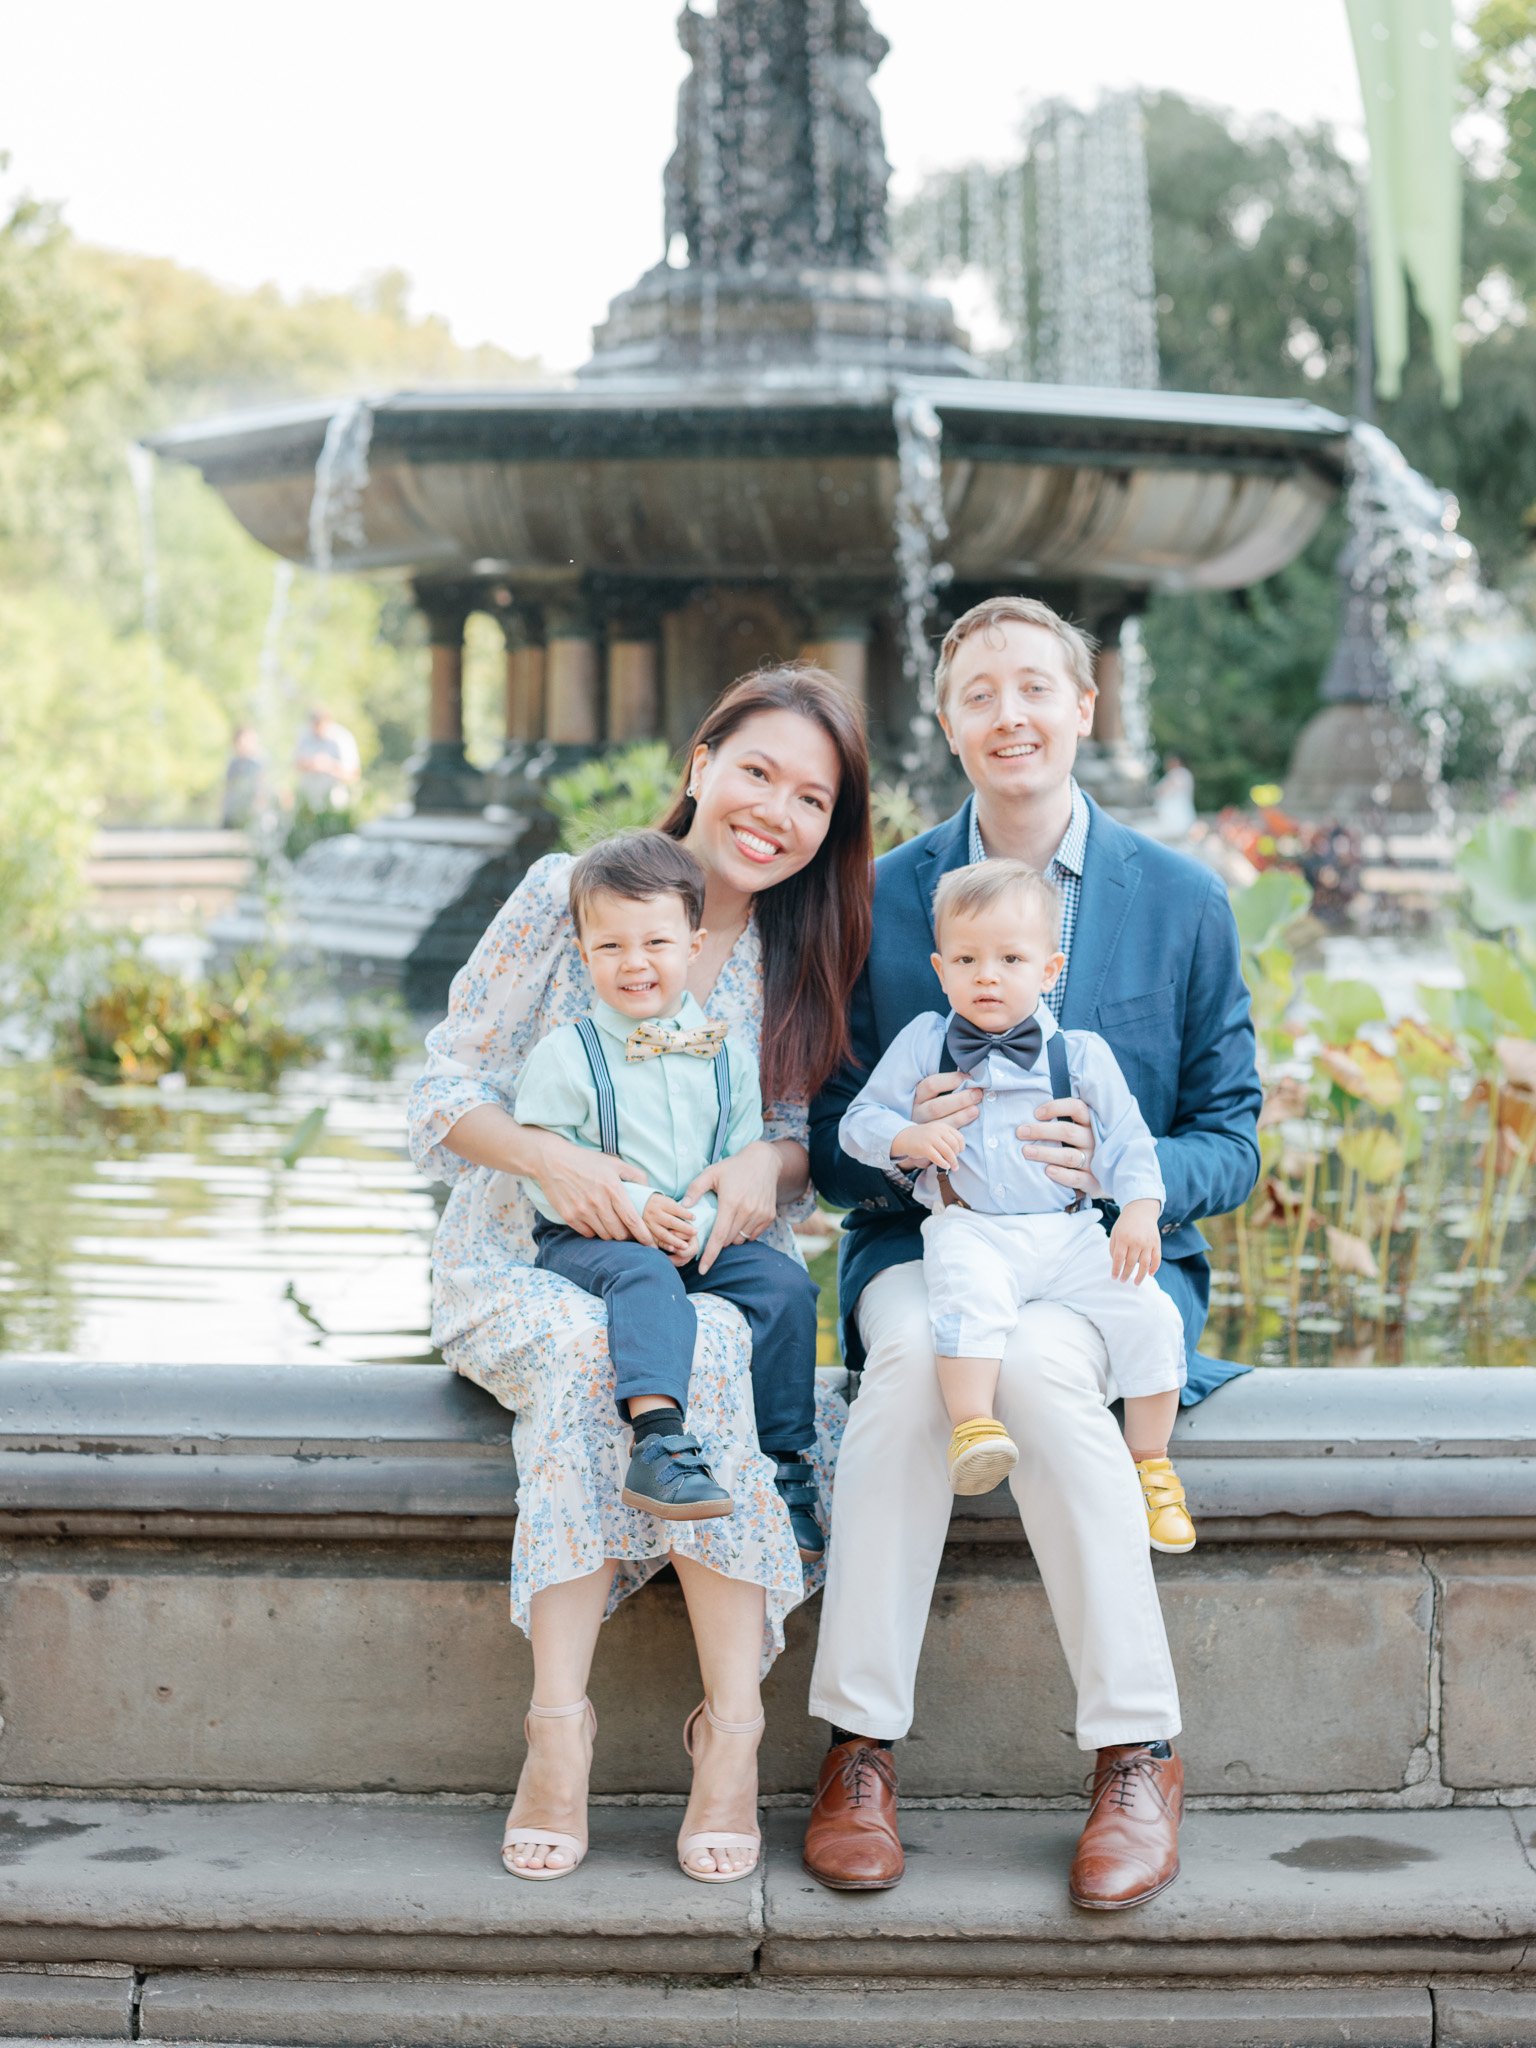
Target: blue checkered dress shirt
1065,870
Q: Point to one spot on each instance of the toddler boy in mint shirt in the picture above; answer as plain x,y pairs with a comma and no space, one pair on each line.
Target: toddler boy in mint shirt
646,1077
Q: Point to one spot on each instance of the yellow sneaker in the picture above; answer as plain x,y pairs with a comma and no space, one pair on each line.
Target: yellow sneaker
1167,1517
981,1455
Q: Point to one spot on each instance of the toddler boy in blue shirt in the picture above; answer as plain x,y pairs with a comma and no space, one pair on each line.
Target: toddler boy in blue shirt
646,1077
1002,1232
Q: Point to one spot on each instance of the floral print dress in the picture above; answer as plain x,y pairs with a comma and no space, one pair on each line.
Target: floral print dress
540,1344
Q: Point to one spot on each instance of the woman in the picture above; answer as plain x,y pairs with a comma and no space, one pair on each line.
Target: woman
775,807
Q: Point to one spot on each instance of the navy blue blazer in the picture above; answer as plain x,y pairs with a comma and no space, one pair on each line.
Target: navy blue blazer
1155,970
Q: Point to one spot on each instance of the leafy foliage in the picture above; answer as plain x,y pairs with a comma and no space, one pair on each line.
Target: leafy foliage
1394,1157
139,1023
615,792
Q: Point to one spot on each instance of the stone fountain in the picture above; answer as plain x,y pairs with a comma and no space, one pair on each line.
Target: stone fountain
780,446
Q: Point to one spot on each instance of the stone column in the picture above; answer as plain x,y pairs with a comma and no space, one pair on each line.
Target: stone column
839,643
441,777
1109,765
572,676
522,628
1108,670
634,678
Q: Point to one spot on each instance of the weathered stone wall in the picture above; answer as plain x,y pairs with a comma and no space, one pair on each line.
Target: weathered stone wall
216,1582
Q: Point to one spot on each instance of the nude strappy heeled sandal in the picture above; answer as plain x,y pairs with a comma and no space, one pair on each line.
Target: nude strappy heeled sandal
688,1845
522,1836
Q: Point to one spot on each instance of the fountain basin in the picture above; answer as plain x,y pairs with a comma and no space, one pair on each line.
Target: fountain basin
794,476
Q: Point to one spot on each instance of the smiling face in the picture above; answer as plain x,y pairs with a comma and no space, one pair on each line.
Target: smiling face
638,952
1012,712
763,799
995,964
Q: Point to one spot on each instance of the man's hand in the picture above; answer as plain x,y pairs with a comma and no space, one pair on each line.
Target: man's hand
1066,1149
935,1144
1135,1249
947,1097
673,1228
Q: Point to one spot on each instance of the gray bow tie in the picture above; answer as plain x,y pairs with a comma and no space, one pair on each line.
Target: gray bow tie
968,1045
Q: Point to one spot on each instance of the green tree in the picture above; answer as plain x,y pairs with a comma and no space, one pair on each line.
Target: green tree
1255,253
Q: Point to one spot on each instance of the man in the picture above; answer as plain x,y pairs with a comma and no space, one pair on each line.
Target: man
1152,963
327,766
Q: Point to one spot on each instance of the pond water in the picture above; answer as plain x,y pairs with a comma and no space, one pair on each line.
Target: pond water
164,1224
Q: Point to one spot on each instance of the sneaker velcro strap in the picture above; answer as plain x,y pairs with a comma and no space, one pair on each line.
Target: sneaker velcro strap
796,1483
675,1456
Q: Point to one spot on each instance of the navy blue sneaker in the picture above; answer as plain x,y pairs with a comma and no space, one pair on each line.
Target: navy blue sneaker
668,1477
796,1483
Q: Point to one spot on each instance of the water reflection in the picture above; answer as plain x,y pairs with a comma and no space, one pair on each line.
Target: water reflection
136,1223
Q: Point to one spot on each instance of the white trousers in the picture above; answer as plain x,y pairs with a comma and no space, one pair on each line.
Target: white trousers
981,1270
1078,1495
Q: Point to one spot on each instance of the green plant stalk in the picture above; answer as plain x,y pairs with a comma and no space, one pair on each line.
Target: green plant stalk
1478,1242
1244,1276
1511,1195
1436,1173
1384,1249
1299,1243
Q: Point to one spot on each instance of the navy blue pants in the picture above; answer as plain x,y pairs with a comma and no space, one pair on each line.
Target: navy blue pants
652,1325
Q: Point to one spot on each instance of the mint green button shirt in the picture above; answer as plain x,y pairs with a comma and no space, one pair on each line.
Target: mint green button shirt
667,1107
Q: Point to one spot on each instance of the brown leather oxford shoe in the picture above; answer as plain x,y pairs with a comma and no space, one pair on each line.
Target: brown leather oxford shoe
1129,1849
851,1843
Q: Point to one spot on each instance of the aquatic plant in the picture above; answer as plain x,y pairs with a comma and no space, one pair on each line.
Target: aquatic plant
136,1022
1395,1156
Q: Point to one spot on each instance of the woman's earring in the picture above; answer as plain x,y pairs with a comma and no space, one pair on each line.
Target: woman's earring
692,790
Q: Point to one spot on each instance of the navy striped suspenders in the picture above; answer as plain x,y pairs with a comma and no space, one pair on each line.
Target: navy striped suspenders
602,1081
607,1103
1061,1089
1056,1057
723,1094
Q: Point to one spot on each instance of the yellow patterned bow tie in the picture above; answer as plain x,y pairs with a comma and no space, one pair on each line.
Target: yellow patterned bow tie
650,1040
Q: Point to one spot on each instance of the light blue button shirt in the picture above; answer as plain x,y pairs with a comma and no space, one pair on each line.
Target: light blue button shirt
993,1175
667,1107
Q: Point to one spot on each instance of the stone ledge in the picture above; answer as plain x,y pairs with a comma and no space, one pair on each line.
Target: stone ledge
1305,1670
480,2013
350,1887
53,2002
1280,1452
1478,2016
1296,1892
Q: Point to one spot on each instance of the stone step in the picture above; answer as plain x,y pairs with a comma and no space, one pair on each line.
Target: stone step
356,1922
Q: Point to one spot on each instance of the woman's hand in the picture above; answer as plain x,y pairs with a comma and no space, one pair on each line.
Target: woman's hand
946,1097
1065,1150
586,1190
746,1188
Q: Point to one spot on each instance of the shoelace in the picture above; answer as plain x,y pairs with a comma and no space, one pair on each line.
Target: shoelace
1122,1779
856,1769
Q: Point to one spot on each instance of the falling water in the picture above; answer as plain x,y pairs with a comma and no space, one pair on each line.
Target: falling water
1065,241
141,468
1136,679
1446,633
921,531
269,665
341,477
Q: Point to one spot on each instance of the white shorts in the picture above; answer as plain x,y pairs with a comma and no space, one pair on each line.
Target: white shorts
982,1269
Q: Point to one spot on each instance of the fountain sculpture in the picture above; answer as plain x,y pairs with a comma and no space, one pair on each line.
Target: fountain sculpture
781,445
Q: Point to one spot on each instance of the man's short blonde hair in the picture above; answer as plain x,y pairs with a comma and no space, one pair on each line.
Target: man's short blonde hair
972,891
1078,648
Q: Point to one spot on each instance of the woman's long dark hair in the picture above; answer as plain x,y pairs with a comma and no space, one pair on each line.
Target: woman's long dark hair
814,927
